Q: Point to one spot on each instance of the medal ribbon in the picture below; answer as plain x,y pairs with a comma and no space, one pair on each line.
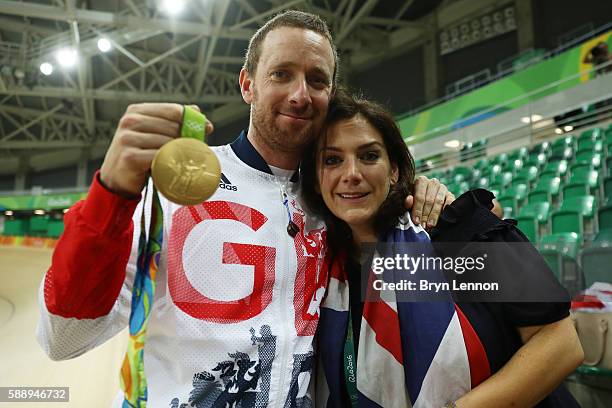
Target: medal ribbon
133,380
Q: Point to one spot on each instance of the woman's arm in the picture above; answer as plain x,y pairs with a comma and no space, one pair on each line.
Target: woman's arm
549,354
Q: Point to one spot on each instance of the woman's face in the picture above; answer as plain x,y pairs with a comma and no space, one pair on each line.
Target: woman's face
354,171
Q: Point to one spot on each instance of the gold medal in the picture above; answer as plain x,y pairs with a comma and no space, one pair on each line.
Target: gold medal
186,171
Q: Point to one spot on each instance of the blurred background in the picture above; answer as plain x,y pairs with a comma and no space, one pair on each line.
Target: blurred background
510,95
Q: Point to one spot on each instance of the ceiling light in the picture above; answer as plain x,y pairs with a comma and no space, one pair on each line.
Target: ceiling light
8,213
535,118
39,212
104,45
525,119
559,131
568,128
66,57
172,7
19,74
46,68
453,144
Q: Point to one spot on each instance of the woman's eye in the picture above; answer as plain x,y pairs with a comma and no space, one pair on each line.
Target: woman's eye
331,160
370,156
319,82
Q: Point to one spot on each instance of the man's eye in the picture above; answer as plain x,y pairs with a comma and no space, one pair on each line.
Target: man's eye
279,74
370,156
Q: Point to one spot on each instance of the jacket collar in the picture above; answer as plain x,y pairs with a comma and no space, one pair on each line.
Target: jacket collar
246,152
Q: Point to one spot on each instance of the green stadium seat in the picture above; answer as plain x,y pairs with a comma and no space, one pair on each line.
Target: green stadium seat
580,167
560,252
546,190
592,134
526,175
567,141
589,158
529,226
503,179
513,197
482,182
542,148
589,145
562,153
607,189
482,164
520,154
537,160
558,168
513,166
605,217
38,225
495,169
576,214
466,172
55,228
576,190
540,211
533,218
518,190
580,177
609,165
500,159
16,226
597,258
458,188
457,178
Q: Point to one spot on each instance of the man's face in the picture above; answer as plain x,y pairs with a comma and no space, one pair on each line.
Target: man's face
290,90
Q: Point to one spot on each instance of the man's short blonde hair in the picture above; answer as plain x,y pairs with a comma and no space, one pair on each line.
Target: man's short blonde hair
290,18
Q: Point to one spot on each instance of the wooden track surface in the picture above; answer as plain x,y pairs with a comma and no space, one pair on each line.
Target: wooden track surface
93,378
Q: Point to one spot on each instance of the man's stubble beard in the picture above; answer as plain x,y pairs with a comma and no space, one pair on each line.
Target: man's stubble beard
277,139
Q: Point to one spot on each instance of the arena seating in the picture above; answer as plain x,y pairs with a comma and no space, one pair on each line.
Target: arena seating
560,193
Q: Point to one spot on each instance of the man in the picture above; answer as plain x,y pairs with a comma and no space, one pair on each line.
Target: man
236,306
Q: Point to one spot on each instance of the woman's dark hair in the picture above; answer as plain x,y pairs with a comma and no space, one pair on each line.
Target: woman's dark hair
345,106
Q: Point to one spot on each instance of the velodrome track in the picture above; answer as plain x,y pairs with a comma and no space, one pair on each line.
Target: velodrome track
93,378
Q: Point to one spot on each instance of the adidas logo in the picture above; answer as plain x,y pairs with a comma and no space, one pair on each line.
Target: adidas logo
226,184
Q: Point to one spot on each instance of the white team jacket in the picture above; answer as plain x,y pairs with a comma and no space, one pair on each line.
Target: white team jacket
237,298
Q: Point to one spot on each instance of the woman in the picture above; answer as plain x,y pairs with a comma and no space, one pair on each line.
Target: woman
420,353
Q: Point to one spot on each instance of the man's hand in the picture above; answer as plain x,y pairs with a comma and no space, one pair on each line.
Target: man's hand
429,199
142,130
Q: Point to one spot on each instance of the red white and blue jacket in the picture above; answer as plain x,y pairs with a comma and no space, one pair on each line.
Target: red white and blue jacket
234,289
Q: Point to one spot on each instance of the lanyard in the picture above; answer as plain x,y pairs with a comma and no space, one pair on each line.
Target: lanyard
350,363
133,381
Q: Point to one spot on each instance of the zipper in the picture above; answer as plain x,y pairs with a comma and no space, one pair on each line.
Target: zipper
286,328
